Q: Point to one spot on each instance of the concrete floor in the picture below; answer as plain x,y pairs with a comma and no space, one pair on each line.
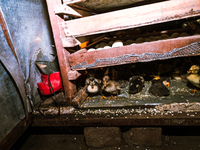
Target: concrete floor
174,138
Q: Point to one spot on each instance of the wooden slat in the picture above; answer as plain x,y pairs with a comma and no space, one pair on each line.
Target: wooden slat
132,17
69,87
73,75
117,56
70,42
175,119
80,97
66,10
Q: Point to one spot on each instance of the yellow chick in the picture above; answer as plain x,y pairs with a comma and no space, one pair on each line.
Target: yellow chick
193,75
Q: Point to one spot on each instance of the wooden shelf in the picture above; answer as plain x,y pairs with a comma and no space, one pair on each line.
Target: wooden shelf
132,17
133,53
64,33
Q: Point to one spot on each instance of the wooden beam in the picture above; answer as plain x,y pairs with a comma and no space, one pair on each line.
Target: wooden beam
132,53
72,1
82,8
73,75
132,17
66,10
138,119
70,42
69,87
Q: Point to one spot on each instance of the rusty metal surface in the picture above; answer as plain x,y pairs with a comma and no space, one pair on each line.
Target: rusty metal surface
173,119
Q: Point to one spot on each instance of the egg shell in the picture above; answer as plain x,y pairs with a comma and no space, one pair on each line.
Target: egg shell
117,43
183,34
128,42
106,47
91,49
164,36
174,35
99,49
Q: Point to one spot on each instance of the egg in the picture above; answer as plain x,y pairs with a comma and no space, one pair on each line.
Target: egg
164,36
106,47
174,35
117,43
91,49
110,43
183,34
102,45
128,42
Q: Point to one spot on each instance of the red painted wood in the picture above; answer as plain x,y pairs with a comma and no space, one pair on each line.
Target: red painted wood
162,46
58,34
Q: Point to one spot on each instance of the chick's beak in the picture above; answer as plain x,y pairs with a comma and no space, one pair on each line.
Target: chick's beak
105,84
189,71
92,85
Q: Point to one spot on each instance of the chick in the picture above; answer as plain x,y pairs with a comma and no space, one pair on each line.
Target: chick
110,86
136,84
93,86
193,75
158,88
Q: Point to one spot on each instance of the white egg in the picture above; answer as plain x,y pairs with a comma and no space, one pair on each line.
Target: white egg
99,49
91,49
117,43
106,47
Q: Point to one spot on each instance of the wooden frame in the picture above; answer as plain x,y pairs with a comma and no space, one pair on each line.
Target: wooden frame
132,17
177,119
122,55
58,34
65,32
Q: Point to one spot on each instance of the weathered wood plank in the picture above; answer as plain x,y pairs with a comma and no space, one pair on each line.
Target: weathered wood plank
71,11
69,87
131,53
66,10
70,42
132,17
73,75
80,97
178,119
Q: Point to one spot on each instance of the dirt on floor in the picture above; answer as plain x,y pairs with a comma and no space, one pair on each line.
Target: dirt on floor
72,138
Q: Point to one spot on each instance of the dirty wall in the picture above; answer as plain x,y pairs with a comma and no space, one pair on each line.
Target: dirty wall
30,31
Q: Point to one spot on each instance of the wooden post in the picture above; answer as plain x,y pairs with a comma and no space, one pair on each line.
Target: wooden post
63,54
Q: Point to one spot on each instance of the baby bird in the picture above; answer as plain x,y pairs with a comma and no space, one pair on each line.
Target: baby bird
136,84
193,75
158,88
93,86
110,86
